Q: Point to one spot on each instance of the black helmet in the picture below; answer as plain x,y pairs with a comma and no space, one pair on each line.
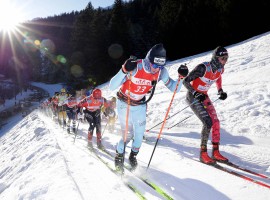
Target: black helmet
157,55
218,52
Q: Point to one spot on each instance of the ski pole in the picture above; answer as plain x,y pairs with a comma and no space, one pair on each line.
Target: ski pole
164,121
179,122
63,120
172,115
127,116
104,128
187,117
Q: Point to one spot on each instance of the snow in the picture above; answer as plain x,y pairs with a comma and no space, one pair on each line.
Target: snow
39,160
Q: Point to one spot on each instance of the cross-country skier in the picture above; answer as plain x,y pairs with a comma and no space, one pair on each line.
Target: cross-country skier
92,108
135,79
110,114
198,83
71,110
62,115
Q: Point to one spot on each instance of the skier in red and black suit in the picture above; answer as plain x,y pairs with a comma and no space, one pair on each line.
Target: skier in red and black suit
198,83
92,108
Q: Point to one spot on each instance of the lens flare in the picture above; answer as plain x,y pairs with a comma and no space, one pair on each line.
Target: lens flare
47,46
115,51
61,59
76,71
37,42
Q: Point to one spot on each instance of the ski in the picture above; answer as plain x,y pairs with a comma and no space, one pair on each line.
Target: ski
145,180
246,170
156,188
217,166
128,184
232,172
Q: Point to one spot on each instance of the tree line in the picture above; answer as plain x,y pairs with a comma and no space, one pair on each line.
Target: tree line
88,47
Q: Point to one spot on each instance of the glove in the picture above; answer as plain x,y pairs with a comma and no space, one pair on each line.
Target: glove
222,95
183,71
105,114
199,96
129,65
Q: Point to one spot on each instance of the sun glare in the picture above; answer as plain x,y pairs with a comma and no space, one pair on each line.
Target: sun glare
10,16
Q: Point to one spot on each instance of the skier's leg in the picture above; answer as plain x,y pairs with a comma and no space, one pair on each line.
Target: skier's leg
199,108
139,123
122,109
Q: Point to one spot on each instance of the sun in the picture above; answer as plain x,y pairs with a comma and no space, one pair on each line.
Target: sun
10,16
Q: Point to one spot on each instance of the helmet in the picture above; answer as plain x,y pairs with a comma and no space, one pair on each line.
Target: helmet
63,90
113,99
218,52
157,55
97,93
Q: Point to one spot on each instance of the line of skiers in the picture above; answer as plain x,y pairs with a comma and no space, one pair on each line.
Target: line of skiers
67,108
136,79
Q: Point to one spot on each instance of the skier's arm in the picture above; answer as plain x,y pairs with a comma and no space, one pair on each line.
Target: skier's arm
130,66
117,80
219,82
197,72
168,81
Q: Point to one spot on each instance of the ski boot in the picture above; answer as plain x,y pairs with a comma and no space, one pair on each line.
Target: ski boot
64,123
204,158
89,140
119,162
68,129
133,160
99,144
216,154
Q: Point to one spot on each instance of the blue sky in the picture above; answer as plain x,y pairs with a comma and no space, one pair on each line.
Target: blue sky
43,8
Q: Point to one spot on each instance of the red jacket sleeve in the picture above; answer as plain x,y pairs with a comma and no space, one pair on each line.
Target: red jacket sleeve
219,81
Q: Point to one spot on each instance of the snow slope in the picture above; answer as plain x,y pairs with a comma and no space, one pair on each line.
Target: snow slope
39,160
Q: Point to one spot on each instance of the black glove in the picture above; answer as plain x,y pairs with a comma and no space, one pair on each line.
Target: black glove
129,65
183,71
199,96
105,114
222,95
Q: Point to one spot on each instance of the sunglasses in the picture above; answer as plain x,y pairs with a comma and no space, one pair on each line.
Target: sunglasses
224,58
155,66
